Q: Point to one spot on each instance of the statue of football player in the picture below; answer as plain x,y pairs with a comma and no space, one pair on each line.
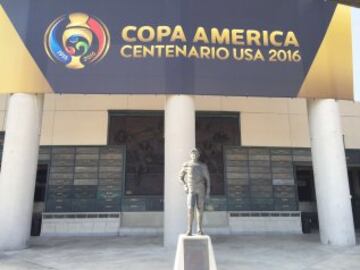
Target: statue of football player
195,177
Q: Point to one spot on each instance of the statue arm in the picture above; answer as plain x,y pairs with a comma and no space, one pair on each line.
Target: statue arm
182,177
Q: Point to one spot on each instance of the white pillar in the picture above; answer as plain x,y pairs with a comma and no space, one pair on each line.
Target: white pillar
18,169
355,21
330,172
179,140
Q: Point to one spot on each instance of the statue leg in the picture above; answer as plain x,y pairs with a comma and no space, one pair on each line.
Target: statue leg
199,213
190,221
190,214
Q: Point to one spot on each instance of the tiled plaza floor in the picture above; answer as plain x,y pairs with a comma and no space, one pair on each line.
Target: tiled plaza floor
146,253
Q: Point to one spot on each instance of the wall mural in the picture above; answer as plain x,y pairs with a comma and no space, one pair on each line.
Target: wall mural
142,134
212,133
143,137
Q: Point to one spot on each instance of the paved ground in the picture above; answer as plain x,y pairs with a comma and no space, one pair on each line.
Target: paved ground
136,253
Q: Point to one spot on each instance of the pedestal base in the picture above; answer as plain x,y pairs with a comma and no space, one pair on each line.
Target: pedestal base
194,253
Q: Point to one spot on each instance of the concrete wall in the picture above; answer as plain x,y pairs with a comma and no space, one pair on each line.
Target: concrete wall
350,112
83,119
3,107
151,223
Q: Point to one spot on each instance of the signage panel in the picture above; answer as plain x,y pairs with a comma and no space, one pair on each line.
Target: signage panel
276,48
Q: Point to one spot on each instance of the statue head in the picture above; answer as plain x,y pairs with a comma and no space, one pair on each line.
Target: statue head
195,154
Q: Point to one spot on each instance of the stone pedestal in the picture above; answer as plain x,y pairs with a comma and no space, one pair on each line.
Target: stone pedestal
194,253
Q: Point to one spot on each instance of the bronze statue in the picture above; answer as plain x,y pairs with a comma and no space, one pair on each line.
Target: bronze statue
195,177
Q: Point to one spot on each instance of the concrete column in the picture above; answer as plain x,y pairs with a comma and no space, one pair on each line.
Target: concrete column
355,22
330,173
18,169
179,140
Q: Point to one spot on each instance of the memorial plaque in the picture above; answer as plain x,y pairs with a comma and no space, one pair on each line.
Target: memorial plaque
196,254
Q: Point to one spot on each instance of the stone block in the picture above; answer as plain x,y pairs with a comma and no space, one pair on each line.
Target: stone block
281,158
259,151
63,156
142,220
86,162
113,188
194,253
261,182
86,169
111,169
58,206
284,164
87,150
280,151
236,157
282,169
236,150
108,206
110,181
260,175
87,156
259,163
61,170
111,149
302,158
105,174
259,157
301,152
237,175
85,181
113,156
283,182
237,181
62,163
83,205
44,150
43,157
283,175
266,170
235,163
215,219
237,169
111,162
63,150
284,192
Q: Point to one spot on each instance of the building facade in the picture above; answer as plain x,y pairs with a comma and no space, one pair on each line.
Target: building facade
101,164
101,107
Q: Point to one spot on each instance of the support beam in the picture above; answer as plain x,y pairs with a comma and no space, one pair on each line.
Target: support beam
330,172
18,169
179,140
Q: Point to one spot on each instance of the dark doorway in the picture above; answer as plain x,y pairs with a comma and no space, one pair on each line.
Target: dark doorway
354,181
39,199
307,196
305,184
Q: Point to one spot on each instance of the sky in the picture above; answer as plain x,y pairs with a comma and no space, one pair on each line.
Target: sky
356,51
